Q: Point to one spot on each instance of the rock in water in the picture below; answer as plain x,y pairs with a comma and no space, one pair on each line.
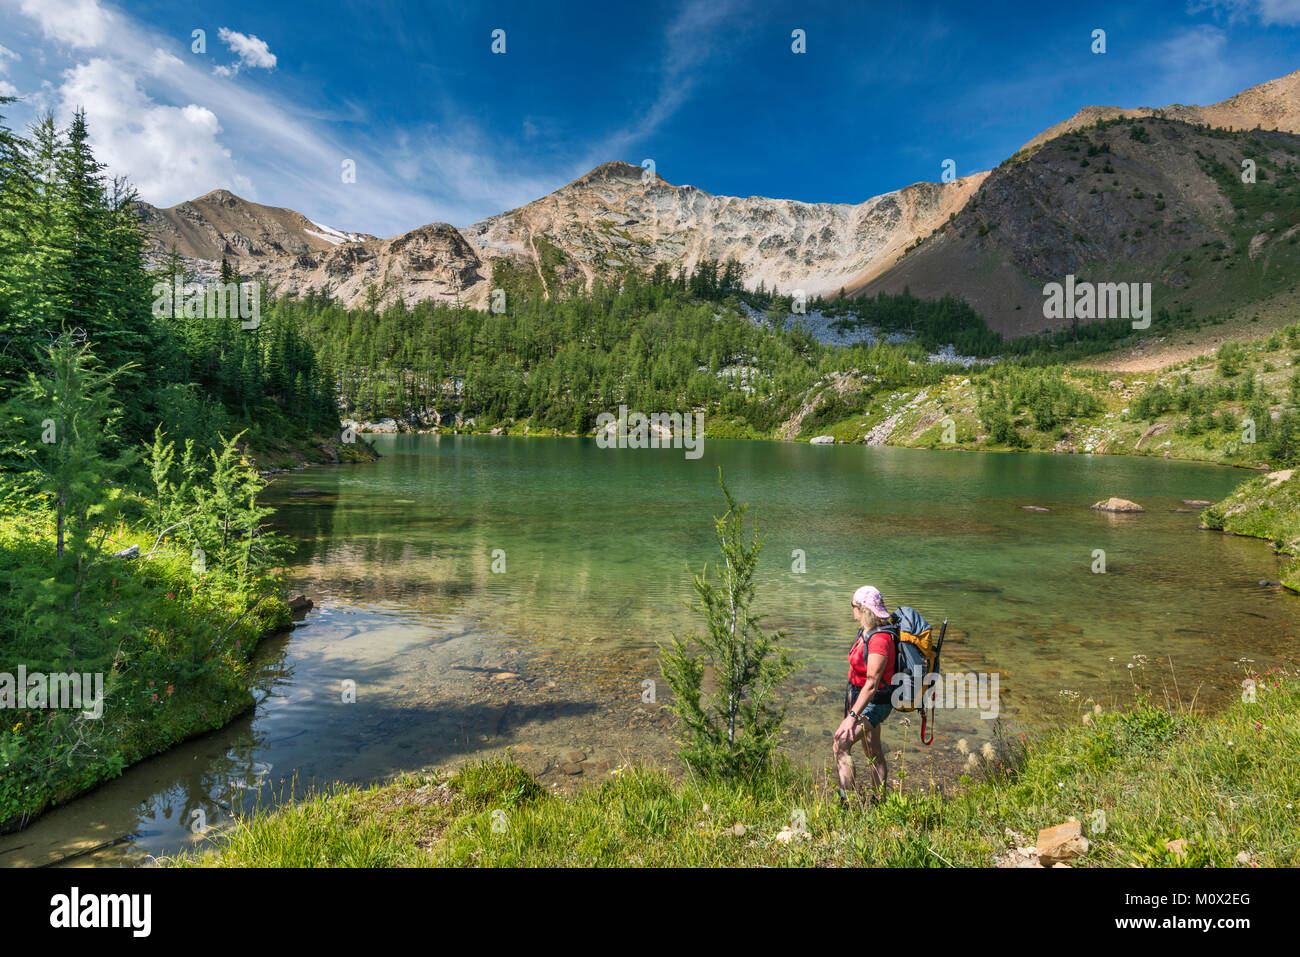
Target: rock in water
1061,843
1113,504
300,604
1035,508
1197,502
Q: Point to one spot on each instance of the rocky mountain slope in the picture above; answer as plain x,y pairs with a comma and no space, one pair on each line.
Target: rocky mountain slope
1274,105
613,218
1132,201
221,224
1075,198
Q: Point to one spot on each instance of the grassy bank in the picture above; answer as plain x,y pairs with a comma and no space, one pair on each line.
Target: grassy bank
1223,784
172,645
1266,507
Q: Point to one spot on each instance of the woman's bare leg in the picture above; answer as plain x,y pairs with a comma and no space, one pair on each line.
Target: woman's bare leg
844,762
876,752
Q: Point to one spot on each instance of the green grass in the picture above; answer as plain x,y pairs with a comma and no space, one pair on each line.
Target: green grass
1266,507
173,648
1224,783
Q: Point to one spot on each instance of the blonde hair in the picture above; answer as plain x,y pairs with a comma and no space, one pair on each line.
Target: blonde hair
871,621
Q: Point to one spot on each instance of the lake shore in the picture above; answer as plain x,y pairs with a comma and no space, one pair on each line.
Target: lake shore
1150,786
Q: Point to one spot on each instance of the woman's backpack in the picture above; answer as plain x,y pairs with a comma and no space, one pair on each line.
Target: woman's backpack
916,654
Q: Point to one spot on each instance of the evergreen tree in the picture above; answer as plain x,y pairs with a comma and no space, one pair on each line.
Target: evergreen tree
735,732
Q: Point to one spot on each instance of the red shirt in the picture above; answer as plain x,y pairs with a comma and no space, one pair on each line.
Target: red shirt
880,643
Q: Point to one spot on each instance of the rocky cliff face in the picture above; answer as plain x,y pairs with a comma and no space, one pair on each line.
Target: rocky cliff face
617,216
596,227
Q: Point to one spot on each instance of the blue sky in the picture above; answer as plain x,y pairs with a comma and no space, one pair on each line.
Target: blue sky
440,128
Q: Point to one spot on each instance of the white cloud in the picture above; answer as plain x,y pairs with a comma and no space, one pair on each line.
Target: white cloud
7,88
178,131
1284,13
1194,66
688,46
77,23
6,54
252,52
167,150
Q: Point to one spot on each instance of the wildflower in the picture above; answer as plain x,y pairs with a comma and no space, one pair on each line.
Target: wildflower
155,697
962,746
170,595
987,750
169,689
1096,709
971,760
1258,726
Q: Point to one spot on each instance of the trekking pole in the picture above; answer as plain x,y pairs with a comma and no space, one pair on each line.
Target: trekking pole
938,649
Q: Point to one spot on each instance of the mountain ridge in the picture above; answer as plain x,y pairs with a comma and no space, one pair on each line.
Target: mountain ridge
618,216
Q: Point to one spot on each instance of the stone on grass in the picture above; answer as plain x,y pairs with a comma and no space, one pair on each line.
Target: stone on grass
1061,843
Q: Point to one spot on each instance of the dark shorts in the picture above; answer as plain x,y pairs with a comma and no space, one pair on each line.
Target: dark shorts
874,713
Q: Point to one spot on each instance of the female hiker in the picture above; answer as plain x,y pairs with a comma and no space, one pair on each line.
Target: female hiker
871,668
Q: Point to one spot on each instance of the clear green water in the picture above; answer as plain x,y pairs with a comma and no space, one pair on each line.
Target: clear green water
598,546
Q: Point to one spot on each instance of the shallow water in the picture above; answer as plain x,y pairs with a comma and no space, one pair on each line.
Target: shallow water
596,548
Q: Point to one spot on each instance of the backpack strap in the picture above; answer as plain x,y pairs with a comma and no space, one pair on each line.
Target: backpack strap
884,694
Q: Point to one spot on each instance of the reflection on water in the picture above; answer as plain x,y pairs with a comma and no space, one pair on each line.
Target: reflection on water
484,593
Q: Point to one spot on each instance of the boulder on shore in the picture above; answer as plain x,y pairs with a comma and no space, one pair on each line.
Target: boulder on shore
1061,843
822,440
1113,504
